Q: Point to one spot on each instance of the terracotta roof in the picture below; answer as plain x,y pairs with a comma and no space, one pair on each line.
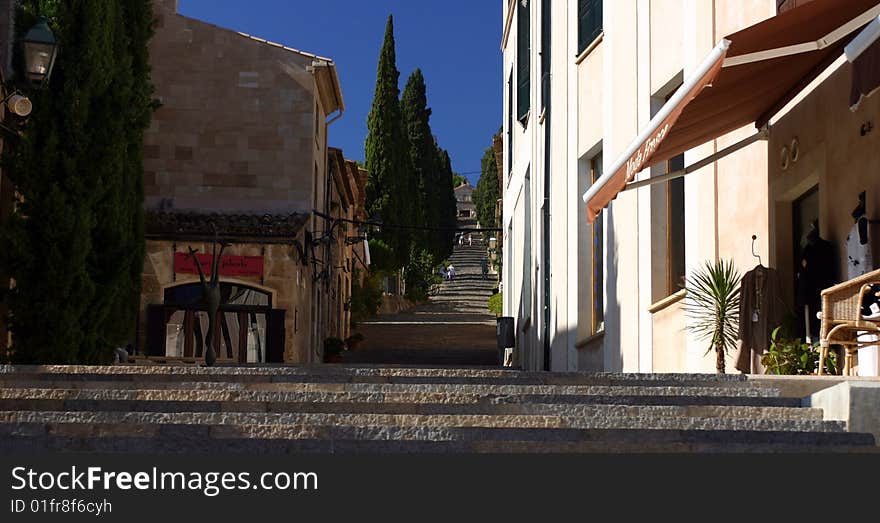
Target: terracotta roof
193,225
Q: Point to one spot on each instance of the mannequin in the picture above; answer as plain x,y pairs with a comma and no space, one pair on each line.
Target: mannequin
859,262
858,251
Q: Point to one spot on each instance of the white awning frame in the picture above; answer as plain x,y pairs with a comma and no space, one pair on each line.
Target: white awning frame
719,50
863,40
830,39
707,64
763,134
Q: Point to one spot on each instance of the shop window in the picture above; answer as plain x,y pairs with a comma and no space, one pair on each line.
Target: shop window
597,257
675,228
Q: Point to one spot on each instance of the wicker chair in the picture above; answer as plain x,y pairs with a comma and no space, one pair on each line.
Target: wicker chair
841,318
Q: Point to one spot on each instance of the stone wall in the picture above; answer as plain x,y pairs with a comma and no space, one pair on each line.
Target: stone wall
240,127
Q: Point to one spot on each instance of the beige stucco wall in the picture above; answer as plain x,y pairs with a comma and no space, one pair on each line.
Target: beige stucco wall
667,41
284,277
669,338
237,127
589,101
834,154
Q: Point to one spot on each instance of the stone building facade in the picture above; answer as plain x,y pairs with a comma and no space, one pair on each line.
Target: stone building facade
239,144
464,201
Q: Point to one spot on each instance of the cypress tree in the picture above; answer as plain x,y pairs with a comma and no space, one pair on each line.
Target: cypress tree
423,156
75,244
449,208
486,193
387,157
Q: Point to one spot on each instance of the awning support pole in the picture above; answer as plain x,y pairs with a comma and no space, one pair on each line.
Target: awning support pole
762,134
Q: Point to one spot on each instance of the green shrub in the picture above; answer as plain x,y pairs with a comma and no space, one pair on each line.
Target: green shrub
420,275
789,355
366,297
495,304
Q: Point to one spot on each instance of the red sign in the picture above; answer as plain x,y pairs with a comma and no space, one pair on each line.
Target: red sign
251,266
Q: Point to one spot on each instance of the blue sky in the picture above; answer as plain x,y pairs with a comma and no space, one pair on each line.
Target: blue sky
456,43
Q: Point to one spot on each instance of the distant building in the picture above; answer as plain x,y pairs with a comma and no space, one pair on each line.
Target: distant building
464,201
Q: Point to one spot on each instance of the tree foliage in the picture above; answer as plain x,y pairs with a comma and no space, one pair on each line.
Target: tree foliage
387,157
75,246
486,193
425,172
448,219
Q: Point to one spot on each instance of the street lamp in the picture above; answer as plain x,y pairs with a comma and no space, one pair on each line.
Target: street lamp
40,50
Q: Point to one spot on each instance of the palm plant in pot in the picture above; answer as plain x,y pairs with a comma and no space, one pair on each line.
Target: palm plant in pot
712,307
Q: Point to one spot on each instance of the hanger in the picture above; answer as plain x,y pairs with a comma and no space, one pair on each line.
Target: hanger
760,264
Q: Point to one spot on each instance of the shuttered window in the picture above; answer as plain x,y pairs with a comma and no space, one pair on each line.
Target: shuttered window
523,59
589,22
545,53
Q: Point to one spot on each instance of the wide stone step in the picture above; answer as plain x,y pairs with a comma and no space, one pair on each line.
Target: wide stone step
72,400
414,384
355,374
599,394
595,441
390,426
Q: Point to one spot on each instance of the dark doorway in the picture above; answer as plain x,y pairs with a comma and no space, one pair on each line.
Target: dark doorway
805,212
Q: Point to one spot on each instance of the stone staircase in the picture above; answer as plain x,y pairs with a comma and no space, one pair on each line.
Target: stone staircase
349,409
454,327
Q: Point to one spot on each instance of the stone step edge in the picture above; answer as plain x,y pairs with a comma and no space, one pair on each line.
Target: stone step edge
256,446
298,387
366,371
427,409
398,396
145,420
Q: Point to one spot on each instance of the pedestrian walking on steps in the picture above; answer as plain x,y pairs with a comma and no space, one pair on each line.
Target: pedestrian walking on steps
484,267
450,271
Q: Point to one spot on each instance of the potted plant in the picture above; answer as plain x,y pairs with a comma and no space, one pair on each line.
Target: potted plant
333,348
354,340
712,307
789,355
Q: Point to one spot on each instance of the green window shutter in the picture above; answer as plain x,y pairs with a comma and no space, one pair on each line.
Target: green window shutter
589,22
523,59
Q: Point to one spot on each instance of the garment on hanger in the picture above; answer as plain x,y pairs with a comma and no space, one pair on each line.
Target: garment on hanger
761,309
858,250
815,272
